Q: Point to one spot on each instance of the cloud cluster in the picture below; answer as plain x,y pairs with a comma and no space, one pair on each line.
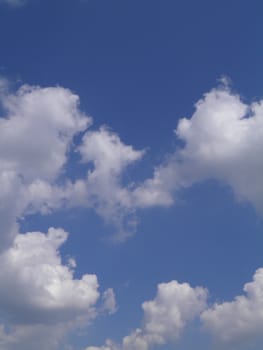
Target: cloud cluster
39,130
39,297
231,324
165,317
241,318
35,282
39,294
36,137
222,141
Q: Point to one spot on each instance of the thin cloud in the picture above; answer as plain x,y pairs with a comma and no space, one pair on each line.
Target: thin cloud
14,3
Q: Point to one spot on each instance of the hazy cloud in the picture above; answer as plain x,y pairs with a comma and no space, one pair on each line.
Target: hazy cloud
14,3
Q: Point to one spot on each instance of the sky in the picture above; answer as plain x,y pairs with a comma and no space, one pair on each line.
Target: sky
131,187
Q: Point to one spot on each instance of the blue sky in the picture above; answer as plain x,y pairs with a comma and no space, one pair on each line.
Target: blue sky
131,202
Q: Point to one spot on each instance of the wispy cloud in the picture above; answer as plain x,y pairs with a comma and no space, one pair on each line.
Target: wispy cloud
14,3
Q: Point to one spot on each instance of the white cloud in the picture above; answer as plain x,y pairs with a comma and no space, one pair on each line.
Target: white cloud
107,159
31,337
9,207
99,348
36,133
39,297
109,155
223,141
165,317
109,301
241,318
237,324
34,281
104,189
174,305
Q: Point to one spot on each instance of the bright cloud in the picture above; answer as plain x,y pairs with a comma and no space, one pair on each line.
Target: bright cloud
42,288
230,323
223,141
165,317
110,157
38,292
39,297
36,133
36,136
241,318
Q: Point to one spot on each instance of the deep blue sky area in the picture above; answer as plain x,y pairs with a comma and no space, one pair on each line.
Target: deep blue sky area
121,56
138,67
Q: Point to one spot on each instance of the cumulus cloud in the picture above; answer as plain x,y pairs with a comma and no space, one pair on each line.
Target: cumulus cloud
174,305
39,296
165,317
236,324
36,132
34,281
104,189
240,319
223,140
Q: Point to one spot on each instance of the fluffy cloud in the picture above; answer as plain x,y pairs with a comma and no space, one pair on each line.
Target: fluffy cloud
36,133
174,305
38,130
223,140
241,318
40,301
39,296
232,324
104,190
34,281
36,136
165,317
